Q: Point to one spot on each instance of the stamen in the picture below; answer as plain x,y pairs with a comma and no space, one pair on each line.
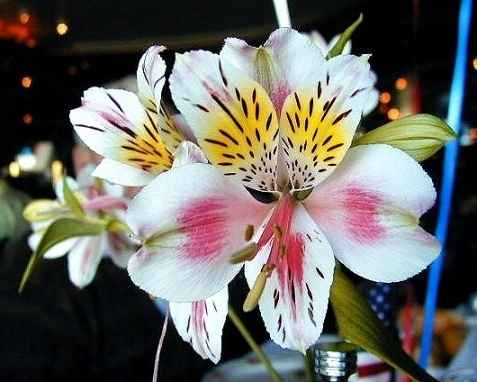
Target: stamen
251,301
282,250
249,232
278,232
302,194
245,254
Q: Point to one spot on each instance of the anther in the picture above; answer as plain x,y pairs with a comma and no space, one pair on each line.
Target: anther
249,230
253,297
245,254
278,232
302,194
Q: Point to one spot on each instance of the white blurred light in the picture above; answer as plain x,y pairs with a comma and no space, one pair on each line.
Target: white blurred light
26,160
14,169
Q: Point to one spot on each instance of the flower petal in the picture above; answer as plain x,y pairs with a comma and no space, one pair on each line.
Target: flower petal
150,80
200,323
73,185
188,153
151,77
369,210
231,115
372,102
119,248
123,174
115,124
105,203
295,298
169,130
287,61
84,258
317,123
319,41
193,219
41,210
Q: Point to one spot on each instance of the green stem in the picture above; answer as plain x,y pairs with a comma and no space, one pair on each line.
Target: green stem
255,347
116,225
310,375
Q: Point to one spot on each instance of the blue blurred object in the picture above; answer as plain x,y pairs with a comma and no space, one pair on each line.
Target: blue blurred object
448,176
380,297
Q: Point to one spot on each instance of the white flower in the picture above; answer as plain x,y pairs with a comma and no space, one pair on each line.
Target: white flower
134,133
84,253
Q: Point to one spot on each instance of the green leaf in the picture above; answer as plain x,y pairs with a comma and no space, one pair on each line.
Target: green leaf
58,231
419,135
71,200
12,202
344,38
358,324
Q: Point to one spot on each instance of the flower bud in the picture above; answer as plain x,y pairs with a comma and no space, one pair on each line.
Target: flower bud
420,135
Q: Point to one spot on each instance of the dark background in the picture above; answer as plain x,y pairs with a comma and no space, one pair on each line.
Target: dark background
110,329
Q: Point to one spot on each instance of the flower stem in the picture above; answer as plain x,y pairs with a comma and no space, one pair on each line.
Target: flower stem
255,347
310,375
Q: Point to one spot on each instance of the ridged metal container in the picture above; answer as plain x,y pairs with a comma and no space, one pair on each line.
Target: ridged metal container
335,361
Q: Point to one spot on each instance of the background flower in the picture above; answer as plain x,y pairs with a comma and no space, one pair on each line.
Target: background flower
135,133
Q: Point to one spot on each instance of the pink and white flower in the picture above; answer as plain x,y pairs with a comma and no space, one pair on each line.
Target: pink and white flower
278,121
84,253
135,133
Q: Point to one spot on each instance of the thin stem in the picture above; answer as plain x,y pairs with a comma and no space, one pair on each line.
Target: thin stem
255,347
310,375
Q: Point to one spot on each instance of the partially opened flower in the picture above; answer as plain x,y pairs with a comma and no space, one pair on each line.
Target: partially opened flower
135,133
325,48
84,253
279,120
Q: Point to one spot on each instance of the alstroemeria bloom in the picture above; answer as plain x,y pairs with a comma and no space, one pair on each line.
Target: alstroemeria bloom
84,253
325,47
133,132
279,119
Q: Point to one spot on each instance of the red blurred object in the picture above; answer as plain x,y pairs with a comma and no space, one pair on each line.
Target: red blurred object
22,33
409,314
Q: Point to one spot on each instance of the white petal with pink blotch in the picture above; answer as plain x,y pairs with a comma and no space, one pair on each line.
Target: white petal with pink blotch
193,219
369,210
201,322
295,299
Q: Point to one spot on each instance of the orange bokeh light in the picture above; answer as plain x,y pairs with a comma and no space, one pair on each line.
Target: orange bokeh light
474,63
27,119
385,97
401,83
31,43
393,113
24,17
26,82
62,28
